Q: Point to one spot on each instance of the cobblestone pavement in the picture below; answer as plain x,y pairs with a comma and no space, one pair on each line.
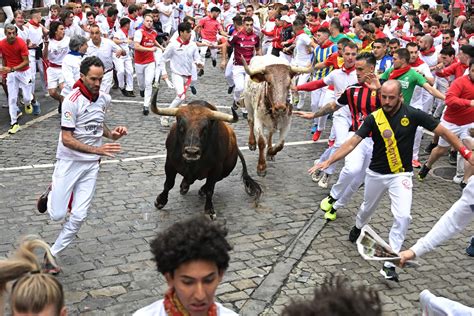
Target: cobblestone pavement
282,248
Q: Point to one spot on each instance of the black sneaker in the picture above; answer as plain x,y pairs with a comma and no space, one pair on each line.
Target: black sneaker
115,86
214,63
193,89
389,273
142,93
462,184
42,202
230,89
423,172
430,147
354,234
235,106
131,94
124,92
146,111
453,158
470,249
50,268
201,72
245,115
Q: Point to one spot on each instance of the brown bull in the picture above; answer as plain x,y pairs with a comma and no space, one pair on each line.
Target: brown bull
200,145
266,98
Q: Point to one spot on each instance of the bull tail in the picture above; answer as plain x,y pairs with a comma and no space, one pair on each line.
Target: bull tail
251,186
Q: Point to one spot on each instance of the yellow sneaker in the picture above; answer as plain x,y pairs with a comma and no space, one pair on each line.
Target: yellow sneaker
327,203
14,128
28,109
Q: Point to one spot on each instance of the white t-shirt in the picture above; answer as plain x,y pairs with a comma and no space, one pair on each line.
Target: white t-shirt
57,50
418,92
166,21
158,309
71,72
302,56
120,35
105,51
182,57
35,35
227,17
86,118
341,80
23,34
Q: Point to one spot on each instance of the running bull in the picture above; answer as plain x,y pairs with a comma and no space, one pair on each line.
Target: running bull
200,145
266,98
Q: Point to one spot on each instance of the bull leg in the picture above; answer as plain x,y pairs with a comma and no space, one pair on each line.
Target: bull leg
252,141
262,164
208,190
270,146
162,198
281,141
184,187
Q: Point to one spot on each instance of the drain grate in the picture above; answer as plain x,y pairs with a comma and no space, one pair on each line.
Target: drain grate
446,173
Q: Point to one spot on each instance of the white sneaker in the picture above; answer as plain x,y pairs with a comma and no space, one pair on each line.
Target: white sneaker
324,182
316,176
457,179
164,121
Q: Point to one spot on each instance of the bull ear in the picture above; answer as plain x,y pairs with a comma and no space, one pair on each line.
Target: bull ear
258,77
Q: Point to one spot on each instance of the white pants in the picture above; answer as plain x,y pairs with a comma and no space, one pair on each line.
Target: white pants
238,75
426,105
77,178
203,50
399,187
353,173
317,97
178,82
145,75
124,69
341,129
15,81
26,4
461,131
432,305
301,79
55,77
107,81
159,66
9,15
229,77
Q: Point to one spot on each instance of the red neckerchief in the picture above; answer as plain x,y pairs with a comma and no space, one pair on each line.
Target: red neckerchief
131,17
79,15
271,20
125,31
180,41
110,22
437,34
189,4
398,28
365,43
148,30
54,18
428,52
417,62
34,23
399,72
394,18
327,44
299,32
174,307
348,70
423,17
85,92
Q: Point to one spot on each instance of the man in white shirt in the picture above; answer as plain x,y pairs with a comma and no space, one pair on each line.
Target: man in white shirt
193,268
105,49
249,11
166,9
72,62
123,64
79,151
181,54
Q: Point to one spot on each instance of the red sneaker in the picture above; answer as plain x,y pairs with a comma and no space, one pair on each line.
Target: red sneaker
331,142
316,136
416,164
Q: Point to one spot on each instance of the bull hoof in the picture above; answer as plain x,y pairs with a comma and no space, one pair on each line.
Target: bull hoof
212,214
262,173
184,190
159,203
270,157
252,147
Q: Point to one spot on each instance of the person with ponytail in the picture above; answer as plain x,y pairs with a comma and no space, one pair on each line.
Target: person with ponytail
30,290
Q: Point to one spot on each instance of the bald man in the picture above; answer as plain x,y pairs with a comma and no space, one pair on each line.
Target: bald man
393,129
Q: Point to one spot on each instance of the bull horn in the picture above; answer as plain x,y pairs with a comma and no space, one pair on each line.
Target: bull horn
161,111
219,116
301,70
251,72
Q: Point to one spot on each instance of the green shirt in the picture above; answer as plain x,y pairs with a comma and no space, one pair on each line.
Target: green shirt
409,80
337,38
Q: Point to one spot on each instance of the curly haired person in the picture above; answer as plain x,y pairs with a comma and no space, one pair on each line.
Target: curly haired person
193,256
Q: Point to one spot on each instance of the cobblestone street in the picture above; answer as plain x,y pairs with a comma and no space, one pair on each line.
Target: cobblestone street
283,248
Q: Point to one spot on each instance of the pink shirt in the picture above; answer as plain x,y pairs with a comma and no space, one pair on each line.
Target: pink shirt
209,28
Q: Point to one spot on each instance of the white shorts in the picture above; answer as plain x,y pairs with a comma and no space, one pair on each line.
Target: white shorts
55,77
461,131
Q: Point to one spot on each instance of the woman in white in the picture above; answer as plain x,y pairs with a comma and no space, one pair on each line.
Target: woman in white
55,51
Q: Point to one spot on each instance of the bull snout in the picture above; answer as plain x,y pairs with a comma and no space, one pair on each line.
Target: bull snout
192,153
280,108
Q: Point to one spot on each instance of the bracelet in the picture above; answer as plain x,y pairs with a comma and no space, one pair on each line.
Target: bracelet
465,152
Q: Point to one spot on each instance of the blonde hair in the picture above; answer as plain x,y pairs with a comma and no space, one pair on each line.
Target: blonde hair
32,291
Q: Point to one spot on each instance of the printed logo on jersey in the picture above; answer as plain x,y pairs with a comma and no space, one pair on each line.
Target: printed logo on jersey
404,84
67,116
387,133
405,121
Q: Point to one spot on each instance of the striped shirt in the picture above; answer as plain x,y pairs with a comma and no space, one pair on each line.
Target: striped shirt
320,55
362,101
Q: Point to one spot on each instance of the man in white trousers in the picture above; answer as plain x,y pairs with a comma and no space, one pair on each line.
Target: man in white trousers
123,64
79,151
393,129
145,45
246,44
105,49
181,54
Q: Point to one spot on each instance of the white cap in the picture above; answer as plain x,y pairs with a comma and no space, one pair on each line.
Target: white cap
286,18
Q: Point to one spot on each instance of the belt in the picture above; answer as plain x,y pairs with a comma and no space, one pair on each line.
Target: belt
54,65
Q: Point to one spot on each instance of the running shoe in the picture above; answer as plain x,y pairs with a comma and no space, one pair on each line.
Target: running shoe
415,164
230,89
235,106
458,179
214,63
354,234
389,273
470,249
14,128
142,93
453,158
314,128
146,111
430,147
28,108
42,202
316,136
316,176
49,267
327,203
423,172
245,115
201,72
324,181
193,89
462,185
164,121
36,108
331,215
